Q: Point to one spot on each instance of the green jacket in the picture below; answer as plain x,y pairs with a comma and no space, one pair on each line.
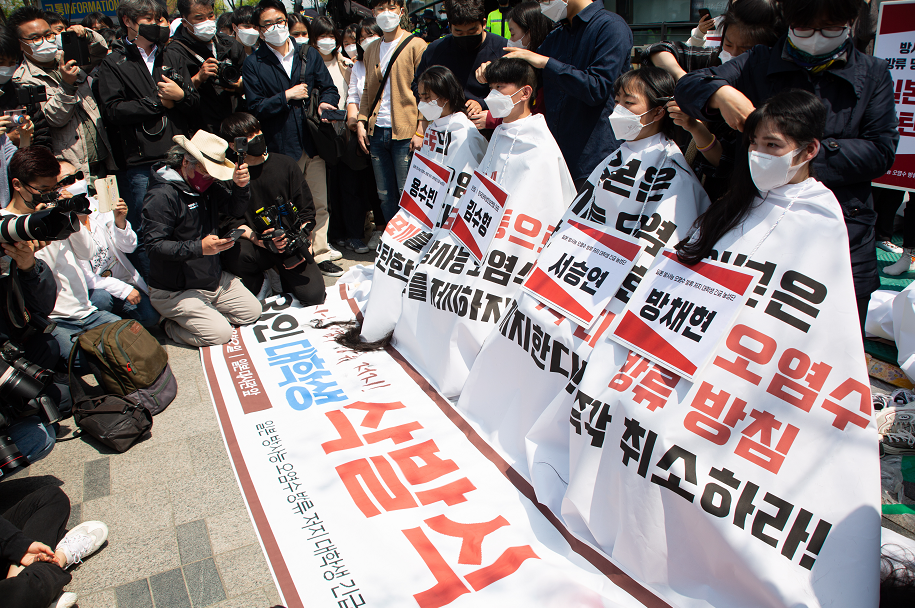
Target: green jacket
497,24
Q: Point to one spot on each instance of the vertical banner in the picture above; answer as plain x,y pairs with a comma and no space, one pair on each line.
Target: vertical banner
896,44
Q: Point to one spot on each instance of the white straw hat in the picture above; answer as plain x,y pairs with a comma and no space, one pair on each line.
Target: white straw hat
210,151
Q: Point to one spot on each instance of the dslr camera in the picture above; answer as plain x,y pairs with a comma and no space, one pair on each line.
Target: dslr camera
284,213
22,384
226,74
173,75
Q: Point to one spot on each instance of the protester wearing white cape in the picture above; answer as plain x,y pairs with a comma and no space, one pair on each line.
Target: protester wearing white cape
504,405
525,161
452,141
673,542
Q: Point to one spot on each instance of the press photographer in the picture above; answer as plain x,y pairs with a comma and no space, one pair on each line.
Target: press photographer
280,201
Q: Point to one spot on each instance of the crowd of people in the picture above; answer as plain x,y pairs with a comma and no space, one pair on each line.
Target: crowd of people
249,148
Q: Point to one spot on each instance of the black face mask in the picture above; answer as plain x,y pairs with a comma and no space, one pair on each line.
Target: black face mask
41,197
469,43
154,33
257,145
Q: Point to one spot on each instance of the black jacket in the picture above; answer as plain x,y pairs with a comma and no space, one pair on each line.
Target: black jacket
13,543
464,64
130,102
10,101
33,298
175,219
215,102
861,129
266,83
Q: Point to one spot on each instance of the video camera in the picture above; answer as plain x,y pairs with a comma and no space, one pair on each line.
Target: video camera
21,386
297,240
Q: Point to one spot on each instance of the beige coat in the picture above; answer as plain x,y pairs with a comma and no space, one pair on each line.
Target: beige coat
404,112
68,106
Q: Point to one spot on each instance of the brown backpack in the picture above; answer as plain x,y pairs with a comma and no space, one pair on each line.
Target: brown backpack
128,357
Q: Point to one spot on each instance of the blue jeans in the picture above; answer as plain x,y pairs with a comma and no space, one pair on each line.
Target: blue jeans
34,438
142,312
67,328
391,162
132,186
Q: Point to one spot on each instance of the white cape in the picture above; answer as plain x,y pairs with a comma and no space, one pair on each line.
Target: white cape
451,304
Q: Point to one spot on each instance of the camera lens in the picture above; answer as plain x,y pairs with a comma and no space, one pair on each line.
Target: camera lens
10,456
18,387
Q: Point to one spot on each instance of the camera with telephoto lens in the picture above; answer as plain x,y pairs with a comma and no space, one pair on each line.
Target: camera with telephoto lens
45,225
78,204
27,94
281,214
227,74
21,386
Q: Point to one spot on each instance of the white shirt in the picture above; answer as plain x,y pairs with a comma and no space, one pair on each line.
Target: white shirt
285,60
384,109
149,60
108,267
356,84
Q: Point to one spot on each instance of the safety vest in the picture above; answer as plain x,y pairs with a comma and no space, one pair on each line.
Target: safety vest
497,24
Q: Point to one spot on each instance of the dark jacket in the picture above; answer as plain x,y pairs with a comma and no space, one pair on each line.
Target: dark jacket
10,101
587,54
462,63
860,139
215,101
266,84
278,176
175,219
38,292
130,102
13,543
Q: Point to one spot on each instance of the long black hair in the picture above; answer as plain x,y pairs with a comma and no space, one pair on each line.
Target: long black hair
528,17
796,114
804,13
441,82
758,20
656,84
370,26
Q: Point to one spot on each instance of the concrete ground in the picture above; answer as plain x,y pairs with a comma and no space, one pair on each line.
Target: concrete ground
180,535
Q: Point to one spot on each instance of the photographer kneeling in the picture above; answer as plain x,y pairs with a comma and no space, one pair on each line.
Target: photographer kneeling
275,183
180,219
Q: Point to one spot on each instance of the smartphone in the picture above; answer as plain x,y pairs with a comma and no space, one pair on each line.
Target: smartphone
333,115
704,12
75,48
235,234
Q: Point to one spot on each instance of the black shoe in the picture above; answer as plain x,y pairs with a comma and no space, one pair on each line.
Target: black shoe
330,269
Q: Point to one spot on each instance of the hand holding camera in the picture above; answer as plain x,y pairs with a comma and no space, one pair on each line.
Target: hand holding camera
208,70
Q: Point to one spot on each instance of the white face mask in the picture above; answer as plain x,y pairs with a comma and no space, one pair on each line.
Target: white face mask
247,37
59,41
769,171
626,125
556,10
388,21
327,45
350,50
518,44
500,105
6,74
205,30
430,110
368,41
724,56
301,39
43,52
277,35
818,44
77,188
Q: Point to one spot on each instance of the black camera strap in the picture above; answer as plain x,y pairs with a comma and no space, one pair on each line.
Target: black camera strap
194,53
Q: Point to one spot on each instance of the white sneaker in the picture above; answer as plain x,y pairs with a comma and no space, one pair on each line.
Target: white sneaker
889,246
901,397
905,263
373,242
66,600
333,253
896,426
82,541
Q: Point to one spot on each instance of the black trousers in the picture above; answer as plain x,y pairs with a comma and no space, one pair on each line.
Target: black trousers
359,194
248,262
41,516
886,203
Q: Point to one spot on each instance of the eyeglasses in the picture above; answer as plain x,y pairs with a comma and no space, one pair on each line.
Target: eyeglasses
70,179
269,25
49,36
828,32
39,190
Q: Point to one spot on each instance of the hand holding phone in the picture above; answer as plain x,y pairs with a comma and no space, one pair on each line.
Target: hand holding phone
235,234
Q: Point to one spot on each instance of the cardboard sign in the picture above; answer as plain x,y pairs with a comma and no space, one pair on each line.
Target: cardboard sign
479,214
424,190
896,44
581,268
106,190
679,314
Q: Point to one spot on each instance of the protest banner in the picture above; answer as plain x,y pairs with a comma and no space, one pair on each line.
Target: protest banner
757,484
451,303
896,44
478,215
425,189
366,488
78,10
536,354
451,142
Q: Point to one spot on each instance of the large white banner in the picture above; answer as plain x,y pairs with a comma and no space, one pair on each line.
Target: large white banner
367,489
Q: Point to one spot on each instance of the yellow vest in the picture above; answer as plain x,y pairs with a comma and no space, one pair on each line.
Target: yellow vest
497,24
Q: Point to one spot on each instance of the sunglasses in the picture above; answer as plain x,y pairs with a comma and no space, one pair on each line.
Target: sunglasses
70,180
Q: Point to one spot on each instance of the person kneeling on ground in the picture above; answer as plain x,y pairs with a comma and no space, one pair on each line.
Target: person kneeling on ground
36,574
180,218
274,177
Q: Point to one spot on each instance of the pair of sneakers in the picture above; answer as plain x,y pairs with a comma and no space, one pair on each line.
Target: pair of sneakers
896,422
79,543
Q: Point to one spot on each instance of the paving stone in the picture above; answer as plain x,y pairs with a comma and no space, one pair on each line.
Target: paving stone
199,494
169,590
134,595
273,595
65,465
255,599
122,562
150,464
230,531
76,516
133,516
103,599
193,541
203,583
242,570
96,479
